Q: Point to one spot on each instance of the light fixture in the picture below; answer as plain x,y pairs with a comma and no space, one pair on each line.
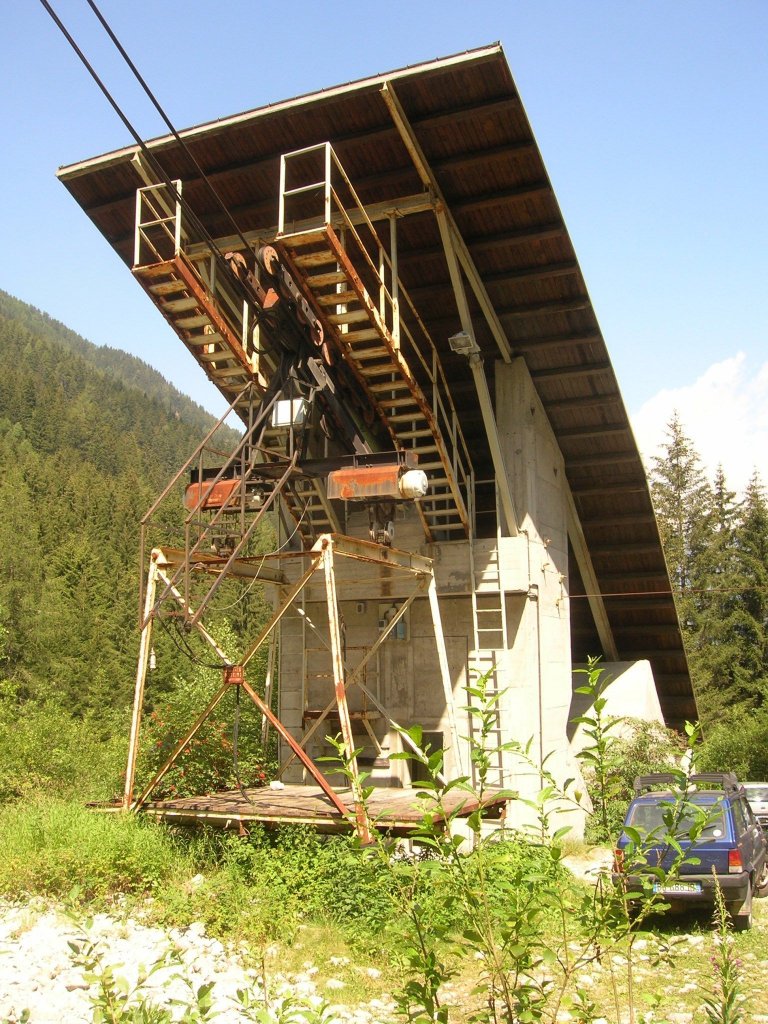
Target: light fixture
463,344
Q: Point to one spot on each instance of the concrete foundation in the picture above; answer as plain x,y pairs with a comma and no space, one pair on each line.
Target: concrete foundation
523,579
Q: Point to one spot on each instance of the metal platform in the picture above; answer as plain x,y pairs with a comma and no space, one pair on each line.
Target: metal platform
396,811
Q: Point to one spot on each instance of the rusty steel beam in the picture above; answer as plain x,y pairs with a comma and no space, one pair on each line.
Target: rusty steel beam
339,685
307,761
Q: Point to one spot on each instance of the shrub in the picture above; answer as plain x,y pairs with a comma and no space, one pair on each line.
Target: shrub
44,750
54,847
739,745
222,755
637,748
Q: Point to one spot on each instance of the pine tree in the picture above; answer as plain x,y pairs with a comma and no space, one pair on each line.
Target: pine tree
717,553
685,510
718,654
682,499
752,548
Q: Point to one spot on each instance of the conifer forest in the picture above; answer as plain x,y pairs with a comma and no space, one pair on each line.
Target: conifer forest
89,435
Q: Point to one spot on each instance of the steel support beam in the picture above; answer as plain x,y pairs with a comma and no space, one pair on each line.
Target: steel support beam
465,259
145,645
445,673
503,487
589,578
339,685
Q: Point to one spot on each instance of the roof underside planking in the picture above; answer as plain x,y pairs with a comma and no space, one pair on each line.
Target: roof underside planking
471,127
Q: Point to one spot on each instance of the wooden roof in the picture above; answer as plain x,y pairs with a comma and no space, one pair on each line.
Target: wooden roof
471,126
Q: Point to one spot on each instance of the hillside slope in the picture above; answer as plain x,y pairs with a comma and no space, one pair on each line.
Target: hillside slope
88,436
121,366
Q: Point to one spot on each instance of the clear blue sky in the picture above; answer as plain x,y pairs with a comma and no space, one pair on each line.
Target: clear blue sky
651,117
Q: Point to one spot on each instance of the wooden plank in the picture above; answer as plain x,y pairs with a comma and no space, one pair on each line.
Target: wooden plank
388,807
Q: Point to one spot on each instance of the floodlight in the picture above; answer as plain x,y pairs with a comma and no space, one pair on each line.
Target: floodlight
463,344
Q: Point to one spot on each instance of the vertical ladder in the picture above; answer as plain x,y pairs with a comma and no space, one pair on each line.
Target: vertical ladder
489,623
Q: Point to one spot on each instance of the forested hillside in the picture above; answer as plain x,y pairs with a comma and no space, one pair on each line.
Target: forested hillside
83,454
88,436
716,545
119,365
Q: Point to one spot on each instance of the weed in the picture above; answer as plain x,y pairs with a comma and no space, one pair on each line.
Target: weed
52,847
724,1002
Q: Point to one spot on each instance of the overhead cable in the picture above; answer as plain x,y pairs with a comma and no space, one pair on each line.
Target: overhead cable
154,164
152,98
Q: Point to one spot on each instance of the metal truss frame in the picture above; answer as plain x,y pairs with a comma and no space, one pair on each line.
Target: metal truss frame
322,557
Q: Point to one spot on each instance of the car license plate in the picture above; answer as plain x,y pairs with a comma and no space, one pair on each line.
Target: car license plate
675,887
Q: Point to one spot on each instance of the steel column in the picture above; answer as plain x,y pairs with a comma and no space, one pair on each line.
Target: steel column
445,672
337,657
141,678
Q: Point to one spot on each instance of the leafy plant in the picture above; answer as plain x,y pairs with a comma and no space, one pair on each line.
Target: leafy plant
724,1002
501,901
618,749
152,997
225,753
114,999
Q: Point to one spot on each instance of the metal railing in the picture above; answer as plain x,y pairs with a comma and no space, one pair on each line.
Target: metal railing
161,234
199,527
377,268
158,232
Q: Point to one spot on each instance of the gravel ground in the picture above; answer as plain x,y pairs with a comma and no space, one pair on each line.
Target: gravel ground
39,973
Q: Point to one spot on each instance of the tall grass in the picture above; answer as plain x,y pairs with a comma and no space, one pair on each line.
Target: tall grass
258,888
56,848
45,750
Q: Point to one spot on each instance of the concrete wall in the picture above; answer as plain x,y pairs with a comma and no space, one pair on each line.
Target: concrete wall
539,660
535,668
631,694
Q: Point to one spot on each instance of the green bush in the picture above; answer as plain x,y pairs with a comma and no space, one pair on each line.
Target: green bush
46,751
739,745
54,847
637,748
218,757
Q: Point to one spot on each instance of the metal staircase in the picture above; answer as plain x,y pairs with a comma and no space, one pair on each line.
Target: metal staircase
216,325
210,320
352,282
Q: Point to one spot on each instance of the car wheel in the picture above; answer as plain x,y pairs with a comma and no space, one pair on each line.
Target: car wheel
741,913
761,885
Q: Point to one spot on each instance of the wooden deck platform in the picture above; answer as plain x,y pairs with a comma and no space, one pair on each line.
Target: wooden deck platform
392,810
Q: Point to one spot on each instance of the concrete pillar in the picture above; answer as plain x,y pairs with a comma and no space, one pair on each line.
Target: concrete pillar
538,666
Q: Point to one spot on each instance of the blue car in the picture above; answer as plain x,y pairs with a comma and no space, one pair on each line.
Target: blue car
675,842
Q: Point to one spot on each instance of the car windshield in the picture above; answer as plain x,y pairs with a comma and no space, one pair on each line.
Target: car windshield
757,792
648,816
